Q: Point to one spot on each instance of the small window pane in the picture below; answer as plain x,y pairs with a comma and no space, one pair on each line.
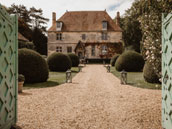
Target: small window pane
58,25
58,49
104,49
104,25
104,36
59,36
69,49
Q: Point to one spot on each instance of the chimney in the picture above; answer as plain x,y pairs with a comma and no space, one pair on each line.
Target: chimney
53,18
118,18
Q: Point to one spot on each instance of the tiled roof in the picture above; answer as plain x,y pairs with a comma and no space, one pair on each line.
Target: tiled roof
21,37
86,21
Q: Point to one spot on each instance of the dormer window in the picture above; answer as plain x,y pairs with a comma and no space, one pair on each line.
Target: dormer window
59,26
104,25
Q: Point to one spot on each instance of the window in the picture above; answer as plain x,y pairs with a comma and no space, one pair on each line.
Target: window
104,36
59,25
93,51
104,25
58,49
59,36
83,36
104,49
69,49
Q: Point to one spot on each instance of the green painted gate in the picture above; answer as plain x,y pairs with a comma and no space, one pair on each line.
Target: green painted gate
8,69
167,71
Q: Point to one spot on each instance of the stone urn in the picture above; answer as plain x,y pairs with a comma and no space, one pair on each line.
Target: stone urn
21,80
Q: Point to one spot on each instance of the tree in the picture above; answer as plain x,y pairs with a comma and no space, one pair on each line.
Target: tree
38,20
151,29
21,11
40,41
132,33
32,17
24,29
32,25
142,26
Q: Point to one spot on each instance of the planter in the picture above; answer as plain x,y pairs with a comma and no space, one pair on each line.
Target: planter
20,87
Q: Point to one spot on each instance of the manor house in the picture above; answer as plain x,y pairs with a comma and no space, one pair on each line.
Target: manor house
89,34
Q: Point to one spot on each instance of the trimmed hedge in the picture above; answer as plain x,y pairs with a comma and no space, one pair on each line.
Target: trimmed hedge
113,59
130,61
32,66
75,59
59,62
149,73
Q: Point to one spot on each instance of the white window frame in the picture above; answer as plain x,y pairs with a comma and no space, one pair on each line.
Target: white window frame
104,25
59,26
58,49
104,49
104,36
59,36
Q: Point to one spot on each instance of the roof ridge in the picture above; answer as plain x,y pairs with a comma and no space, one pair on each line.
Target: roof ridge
88,11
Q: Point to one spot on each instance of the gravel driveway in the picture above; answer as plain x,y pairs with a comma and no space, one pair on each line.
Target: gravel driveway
95,100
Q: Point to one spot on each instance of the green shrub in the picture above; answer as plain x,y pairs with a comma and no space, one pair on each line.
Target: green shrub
32,66
130,61
75,59
149,73
28,45
59,62
113,59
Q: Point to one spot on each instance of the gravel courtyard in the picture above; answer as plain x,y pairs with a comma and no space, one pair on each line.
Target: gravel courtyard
95,100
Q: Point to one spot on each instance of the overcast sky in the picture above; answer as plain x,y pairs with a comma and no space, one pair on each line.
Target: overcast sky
60,6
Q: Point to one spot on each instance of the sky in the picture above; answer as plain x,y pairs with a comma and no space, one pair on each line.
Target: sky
61,6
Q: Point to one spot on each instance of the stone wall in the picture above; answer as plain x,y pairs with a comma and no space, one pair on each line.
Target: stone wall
70,39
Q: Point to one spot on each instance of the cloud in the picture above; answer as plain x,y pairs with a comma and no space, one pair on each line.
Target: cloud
116,5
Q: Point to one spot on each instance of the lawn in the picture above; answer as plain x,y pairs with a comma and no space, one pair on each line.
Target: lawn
136,79
55,78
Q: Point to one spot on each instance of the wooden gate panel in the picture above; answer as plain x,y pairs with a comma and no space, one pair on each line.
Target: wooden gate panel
167,71
8,69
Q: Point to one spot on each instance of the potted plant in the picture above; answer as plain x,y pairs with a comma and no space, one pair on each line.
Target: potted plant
21,80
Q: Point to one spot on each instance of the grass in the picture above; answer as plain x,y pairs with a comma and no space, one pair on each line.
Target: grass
55,78
136,79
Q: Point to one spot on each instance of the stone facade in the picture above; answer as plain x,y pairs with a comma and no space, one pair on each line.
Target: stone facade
66,41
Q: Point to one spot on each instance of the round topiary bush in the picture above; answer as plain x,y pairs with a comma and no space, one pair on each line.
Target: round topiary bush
59,62
130,61
32,66
113,59
75,59
149,73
